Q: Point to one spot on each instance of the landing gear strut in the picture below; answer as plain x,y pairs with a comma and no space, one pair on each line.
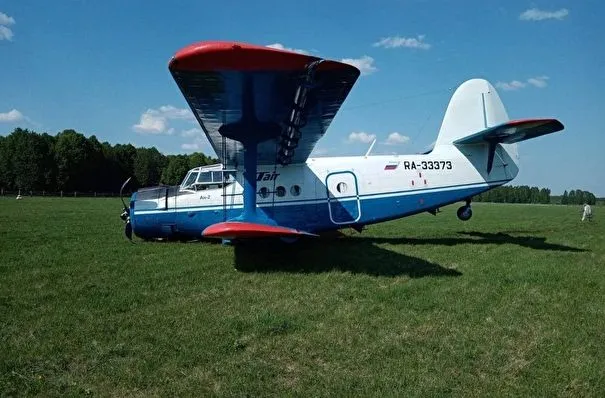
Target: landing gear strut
465,212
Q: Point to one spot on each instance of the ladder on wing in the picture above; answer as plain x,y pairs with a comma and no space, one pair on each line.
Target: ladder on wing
296,120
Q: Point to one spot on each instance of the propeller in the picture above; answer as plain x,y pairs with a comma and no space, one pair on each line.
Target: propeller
126,208
125,216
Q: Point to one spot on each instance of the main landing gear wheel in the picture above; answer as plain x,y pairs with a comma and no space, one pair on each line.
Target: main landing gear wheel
465,213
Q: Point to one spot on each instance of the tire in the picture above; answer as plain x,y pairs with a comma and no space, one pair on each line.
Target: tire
464,213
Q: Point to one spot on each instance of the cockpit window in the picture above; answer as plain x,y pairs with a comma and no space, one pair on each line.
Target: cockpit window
190,179
201,180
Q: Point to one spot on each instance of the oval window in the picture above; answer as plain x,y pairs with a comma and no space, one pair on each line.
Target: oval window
263,192
295,190
341,187
280,191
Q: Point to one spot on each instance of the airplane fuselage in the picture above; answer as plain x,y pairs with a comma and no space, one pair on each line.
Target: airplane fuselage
327,193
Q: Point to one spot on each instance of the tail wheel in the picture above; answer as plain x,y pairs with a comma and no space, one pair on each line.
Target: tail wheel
464,213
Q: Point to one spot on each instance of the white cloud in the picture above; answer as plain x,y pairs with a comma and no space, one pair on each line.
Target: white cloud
362,137
11,116
535,14
190,146
197,145
365,64
191,132
151,124
280,46
396,139
6,20
156,121
5,32
538,81
399,41
170,112
513,85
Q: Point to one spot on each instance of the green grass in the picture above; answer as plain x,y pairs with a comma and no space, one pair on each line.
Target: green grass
511,302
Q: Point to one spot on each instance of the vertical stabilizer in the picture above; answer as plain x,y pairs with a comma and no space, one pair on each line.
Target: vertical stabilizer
475,106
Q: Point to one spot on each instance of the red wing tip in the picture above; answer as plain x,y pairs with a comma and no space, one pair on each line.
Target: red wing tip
233,55
527,121
213,46
242,229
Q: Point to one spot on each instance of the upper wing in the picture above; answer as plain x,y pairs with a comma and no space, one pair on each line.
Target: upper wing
513,131
239,91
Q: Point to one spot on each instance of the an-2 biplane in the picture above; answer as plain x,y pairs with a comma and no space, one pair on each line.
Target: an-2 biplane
263,110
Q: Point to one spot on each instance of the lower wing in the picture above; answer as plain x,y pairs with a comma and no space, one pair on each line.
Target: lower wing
241,229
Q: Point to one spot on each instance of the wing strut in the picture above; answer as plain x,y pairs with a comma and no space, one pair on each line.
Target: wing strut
240,131
250,152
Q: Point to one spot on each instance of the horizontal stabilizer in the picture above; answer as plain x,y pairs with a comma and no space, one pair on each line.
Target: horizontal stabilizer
241,229
513,131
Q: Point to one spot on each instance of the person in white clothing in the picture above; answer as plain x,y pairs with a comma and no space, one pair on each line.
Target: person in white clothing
587,214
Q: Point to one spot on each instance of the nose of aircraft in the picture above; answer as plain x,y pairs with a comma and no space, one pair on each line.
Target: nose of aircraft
125,215
128,230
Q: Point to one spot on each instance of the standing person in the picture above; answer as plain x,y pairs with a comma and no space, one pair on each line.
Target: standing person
587,212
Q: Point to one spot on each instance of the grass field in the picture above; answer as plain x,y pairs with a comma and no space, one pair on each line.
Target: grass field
511,302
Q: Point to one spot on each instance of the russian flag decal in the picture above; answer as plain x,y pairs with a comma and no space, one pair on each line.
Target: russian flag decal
391,166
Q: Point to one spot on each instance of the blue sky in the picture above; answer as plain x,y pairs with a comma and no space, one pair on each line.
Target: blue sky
100,67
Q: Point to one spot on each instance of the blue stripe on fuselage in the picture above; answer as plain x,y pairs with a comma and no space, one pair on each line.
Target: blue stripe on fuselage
308,216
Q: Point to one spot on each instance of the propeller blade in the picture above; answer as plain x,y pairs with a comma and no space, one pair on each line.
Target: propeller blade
122,189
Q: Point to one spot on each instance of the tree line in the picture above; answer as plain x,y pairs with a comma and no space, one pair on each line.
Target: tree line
526,194
578,197
515,194
69,161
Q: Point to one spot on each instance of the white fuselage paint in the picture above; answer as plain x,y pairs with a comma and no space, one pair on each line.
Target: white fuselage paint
445,168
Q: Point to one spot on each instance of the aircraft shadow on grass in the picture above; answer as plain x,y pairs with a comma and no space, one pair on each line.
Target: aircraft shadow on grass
358,256
361,255
485,238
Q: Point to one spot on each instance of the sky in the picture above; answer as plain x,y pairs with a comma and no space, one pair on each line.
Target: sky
101,67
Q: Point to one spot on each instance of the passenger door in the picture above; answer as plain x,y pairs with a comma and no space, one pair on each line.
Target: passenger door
343,197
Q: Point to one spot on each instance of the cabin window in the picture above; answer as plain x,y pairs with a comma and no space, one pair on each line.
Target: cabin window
295,190
280,191
341,187
263,192
217,176
206,176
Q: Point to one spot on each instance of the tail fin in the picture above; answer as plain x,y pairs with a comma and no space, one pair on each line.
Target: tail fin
476,116
475,106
